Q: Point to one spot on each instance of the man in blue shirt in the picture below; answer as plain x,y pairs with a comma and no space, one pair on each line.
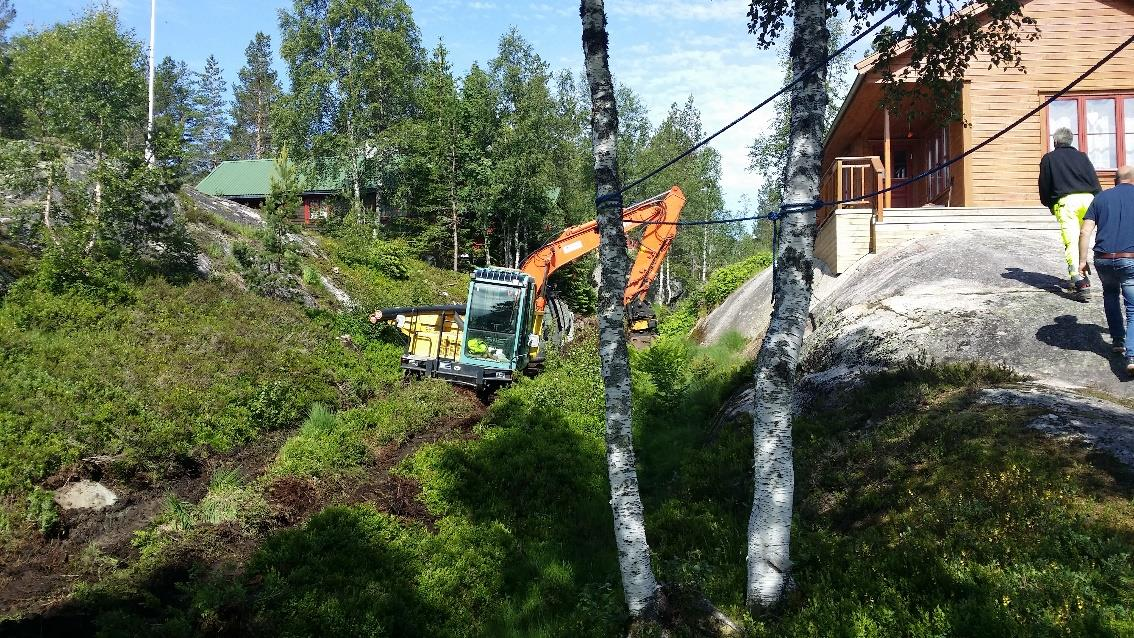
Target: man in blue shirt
1112,215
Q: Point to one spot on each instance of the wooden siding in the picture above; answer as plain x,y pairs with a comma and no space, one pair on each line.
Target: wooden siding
903,224
1074,35
844,239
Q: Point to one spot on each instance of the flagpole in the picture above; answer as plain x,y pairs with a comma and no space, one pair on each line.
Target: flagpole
150,155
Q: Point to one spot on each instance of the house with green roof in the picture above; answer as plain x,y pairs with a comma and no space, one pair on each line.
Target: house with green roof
247,182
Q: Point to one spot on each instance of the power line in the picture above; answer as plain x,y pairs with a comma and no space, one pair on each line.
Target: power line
784,89
816,205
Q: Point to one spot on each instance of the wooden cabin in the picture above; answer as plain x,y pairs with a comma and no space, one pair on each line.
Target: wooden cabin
996,187
248,182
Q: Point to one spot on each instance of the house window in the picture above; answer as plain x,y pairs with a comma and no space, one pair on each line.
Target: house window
1128,127
936,154
1102,126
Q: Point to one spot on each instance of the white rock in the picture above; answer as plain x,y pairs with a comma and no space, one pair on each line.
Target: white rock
85,495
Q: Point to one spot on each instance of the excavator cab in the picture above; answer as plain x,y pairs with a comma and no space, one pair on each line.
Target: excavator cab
497,322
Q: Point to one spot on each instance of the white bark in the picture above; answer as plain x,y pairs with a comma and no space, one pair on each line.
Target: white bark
769,527
704,253
638,582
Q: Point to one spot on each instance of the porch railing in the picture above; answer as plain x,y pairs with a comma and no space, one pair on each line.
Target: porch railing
851,179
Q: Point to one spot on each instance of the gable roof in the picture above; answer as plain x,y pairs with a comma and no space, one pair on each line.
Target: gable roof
974,10
253,178
865,66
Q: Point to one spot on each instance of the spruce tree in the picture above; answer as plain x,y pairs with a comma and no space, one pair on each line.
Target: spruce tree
254,95
280,208
209,125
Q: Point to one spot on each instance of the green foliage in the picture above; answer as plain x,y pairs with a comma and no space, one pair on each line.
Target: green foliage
385,257
280,206
254,96
175,372
42,512
353,66
208,121
721,283
230,500
725,280
323,447
81,82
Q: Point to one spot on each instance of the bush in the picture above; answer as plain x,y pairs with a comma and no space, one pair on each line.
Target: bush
386,257
42,512
324,446
158,382
721,283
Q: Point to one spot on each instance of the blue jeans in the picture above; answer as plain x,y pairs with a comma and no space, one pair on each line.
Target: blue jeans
1117,276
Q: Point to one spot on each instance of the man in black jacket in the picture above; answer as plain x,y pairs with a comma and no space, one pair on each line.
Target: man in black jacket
1067,185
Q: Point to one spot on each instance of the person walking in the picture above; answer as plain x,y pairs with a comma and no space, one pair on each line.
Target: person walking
1110,218
1067,184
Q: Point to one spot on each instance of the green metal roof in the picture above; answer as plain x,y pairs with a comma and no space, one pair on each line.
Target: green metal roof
253,178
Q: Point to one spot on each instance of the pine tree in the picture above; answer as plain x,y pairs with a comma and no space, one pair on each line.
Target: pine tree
256,92
9,118
280,208
208,127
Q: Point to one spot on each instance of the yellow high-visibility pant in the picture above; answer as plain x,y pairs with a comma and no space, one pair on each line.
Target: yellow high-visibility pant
1069,211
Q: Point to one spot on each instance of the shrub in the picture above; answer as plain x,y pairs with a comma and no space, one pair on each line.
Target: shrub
324,446
42,512
230,500
385,257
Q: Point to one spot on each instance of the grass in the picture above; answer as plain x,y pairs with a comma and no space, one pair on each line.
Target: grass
161,380
919,511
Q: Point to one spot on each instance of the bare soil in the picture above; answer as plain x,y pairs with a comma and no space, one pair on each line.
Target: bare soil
38,575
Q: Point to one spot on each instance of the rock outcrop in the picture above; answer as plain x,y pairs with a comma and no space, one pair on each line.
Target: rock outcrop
994,297
991,296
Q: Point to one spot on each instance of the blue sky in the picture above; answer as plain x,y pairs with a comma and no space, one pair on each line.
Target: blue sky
665,50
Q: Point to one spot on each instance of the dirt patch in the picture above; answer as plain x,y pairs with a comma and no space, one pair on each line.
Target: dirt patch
294,500
37,573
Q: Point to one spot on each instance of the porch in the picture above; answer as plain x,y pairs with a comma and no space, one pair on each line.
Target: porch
868,223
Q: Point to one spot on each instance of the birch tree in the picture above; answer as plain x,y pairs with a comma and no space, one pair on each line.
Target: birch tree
81,83
354,66
638,582
939,53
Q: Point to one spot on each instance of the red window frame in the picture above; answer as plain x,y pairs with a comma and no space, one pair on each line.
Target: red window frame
1081,112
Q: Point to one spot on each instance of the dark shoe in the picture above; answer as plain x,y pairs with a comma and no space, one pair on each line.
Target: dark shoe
1118,347
1130,365
1082,290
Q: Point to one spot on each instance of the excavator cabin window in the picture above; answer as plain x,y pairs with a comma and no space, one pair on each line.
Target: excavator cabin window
491,322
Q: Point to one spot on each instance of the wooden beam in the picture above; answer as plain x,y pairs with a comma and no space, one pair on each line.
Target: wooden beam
886,155
966,143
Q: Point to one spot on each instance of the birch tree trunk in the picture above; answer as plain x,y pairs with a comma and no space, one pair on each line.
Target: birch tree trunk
769,527
704,253
638,582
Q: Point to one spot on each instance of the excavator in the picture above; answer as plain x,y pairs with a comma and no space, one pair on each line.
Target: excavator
500,331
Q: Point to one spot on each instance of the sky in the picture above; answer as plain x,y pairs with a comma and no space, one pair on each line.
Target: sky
665,50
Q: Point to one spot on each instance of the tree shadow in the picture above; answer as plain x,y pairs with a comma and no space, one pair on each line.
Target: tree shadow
1068,334
1042,281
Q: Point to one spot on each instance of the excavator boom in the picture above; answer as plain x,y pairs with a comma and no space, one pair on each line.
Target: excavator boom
499,331
660,212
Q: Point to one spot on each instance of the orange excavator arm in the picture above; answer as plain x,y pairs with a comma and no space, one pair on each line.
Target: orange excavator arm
577,241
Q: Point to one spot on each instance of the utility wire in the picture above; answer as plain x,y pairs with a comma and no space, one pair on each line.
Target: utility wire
796,80
816,205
